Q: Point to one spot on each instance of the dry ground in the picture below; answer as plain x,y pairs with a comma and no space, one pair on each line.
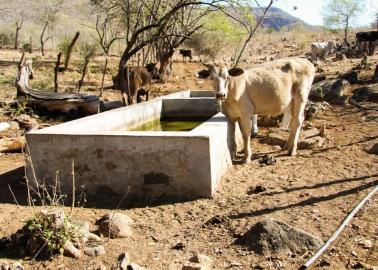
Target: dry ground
313,191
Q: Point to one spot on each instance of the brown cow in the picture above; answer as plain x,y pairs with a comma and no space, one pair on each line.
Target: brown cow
140,79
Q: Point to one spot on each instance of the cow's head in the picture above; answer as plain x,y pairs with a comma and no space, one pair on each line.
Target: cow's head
152,69
220,74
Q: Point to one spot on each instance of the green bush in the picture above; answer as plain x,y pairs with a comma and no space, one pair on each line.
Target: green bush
7,39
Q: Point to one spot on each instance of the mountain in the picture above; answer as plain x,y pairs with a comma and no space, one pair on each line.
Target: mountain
277,19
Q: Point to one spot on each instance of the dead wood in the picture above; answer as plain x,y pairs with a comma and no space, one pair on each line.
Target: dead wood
56,70
50,100
70,49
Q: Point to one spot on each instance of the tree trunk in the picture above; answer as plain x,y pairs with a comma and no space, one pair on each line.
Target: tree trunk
57,64
103,78
31,45
70,49
43,40
346,31
18,28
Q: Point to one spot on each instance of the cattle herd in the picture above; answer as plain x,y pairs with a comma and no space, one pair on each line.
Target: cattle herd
365,44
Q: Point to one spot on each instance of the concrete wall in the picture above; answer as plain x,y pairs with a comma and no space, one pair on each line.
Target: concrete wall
170,163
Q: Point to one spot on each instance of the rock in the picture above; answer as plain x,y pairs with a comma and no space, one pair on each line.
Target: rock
256,189
94,251
198,262
95,265
376,71
27,122
12,145
373,150
311,143
312,109
134,266
319,77
4,126
267,160
366,93
350,76
115,225
339,57
124,260
331,91
16,266
273,236
71,251
366,244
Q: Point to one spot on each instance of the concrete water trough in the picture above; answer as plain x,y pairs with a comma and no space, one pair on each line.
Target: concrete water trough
107,153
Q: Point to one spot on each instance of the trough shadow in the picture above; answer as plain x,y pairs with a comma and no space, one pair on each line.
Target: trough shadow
16,181
310,201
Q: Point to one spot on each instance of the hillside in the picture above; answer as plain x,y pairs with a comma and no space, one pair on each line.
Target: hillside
277,19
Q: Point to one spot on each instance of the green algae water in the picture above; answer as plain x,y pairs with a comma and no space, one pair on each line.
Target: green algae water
171,124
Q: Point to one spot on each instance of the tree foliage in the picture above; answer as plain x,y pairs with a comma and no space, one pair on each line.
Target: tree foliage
342,13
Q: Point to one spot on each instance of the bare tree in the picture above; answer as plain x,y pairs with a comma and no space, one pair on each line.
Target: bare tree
108,28
70,49
341,13
144,22
48,18
19,23
183,25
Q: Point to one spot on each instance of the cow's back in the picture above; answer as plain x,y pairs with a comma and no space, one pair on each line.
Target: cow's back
272,86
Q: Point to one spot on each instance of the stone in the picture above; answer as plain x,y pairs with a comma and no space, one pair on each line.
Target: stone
115,225
134,266
366,93
319,77
198,262
366,244
94,251
373,150
16,266
124,260
277,137
350,76
4,126
27,122
274,236
311,143
332,91
313,109
71,251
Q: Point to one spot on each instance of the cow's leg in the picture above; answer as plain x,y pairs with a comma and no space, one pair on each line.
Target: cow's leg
286,119
231,138
297,114
255,128
246,127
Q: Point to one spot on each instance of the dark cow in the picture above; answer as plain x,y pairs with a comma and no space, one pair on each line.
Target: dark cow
370,36
185,54
140,79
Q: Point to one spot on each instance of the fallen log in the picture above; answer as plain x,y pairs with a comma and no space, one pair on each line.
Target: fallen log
52,101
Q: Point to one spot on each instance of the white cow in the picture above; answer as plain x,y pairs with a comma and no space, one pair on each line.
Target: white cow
322,49
267,89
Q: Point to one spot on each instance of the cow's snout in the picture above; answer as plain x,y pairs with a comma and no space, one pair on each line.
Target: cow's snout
220,95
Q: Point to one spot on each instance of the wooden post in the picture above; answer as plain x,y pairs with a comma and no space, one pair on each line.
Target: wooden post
31,45
103,78
69,51
57,64
85,69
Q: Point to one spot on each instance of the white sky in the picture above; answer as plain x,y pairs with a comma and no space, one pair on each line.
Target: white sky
310,11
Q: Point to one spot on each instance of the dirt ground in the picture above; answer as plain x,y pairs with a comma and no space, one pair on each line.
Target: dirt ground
313,191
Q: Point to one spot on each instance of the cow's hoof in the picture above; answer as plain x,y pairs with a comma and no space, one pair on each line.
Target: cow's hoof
247,160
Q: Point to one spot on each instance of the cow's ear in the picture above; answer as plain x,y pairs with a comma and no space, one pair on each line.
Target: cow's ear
235,71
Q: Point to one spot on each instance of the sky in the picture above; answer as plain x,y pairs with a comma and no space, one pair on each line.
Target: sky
310,11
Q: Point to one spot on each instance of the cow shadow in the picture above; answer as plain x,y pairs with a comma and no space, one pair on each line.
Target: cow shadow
307,202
